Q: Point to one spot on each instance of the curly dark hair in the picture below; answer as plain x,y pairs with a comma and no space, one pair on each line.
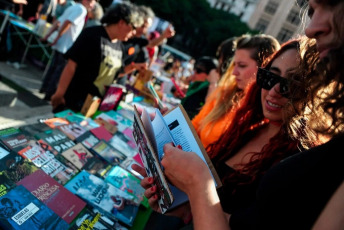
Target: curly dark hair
246,124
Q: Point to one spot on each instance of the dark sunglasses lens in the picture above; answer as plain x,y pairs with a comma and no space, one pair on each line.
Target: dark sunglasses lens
267,80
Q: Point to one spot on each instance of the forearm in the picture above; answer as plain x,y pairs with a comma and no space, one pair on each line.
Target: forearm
64,27
206,209
52,29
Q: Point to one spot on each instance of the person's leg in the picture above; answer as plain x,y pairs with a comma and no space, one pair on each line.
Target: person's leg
47,77
55,77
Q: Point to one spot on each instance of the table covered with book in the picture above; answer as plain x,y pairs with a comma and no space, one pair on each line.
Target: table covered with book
72,172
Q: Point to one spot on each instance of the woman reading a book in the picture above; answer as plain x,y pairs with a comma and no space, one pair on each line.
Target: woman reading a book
215,116
256,139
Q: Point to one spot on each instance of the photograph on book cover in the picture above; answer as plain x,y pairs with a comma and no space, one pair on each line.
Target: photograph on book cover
150,162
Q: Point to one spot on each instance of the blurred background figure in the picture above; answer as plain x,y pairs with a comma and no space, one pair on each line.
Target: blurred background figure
94,15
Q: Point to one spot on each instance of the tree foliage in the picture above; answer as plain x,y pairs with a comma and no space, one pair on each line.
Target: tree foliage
199,28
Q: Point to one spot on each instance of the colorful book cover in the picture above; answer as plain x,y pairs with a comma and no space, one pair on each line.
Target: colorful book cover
74,184
72,130
101,133
15,140
19,209
125,181
119,118
127,164
88,140
64,113
112,98
93,220
56,139
121,142
54,121
84,159
108,126
108,153
109,199
36,154
64,203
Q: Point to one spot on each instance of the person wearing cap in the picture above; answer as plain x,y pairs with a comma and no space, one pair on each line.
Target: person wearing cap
198,88
95,58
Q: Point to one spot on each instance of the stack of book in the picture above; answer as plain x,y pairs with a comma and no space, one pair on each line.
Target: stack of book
70,172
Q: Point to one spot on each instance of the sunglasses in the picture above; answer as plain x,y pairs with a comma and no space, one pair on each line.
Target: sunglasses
267,80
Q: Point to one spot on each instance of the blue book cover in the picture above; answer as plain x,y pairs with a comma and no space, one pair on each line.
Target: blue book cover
109,199
19,209
75,183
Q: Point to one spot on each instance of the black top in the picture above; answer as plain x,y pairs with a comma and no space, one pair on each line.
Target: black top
293,193
234,196
135,50
98,60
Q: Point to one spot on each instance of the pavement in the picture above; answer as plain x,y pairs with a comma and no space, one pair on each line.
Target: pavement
20,100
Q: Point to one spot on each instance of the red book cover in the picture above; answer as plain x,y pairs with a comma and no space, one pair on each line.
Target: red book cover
101,133
112,98
64,203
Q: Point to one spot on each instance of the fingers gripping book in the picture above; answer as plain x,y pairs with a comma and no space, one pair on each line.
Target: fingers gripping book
151,136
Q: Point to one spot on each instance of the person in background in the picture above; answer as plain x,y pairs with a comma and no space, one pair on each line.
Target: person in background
62,5
215,116
153,51
94,15
68,28
30,11
198,88
95,58
225,53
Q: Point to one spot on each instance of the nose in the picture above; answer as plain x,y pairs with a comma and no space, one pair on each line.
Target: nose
275,91
317,26
235,71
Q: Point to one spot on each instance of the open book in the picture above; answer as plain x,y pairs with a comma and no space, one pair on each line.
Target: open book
151,136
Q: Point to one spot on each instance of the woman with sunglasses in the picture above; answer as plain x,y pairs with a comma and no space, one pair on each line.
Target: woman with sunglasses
255,141
215,116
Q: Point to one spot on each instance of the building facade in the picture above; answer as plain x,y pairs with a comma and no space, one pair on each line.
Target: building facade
279,18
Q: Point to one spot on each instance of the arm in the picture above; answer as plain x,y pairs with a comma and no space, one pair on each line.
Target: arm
332,216
65,79
20,2
65,26
168,32
190,174
54,27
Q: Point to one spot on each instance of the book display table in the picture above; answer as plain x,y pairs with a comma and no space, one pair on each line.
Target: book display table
75,169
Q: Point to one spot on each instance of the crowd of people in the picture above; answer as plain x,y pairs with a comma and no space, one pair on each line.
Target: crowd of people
269,115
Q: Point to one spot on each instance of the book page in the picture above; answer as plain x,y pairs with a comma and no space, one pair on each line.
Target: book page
183,135
161,132
147,123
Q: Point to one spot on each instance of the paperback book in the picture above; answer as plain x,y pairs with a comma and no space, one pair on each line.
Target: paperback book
64,203
56,139
87,139
72,130
108,199
125,181
151,136
108,153
19,209
81,158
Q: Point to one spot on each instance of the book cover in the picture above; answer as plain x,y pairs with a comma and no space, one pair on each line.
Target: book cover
122,122
8,159
74,184
122,143
101,133
64,113
72,130
19,209
127,164
64,203
92,220
108,153
109,199
87,139
46,158
32,129
125,181
108,126
112,97
84,159
54,122
151,136
15,140
56,139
